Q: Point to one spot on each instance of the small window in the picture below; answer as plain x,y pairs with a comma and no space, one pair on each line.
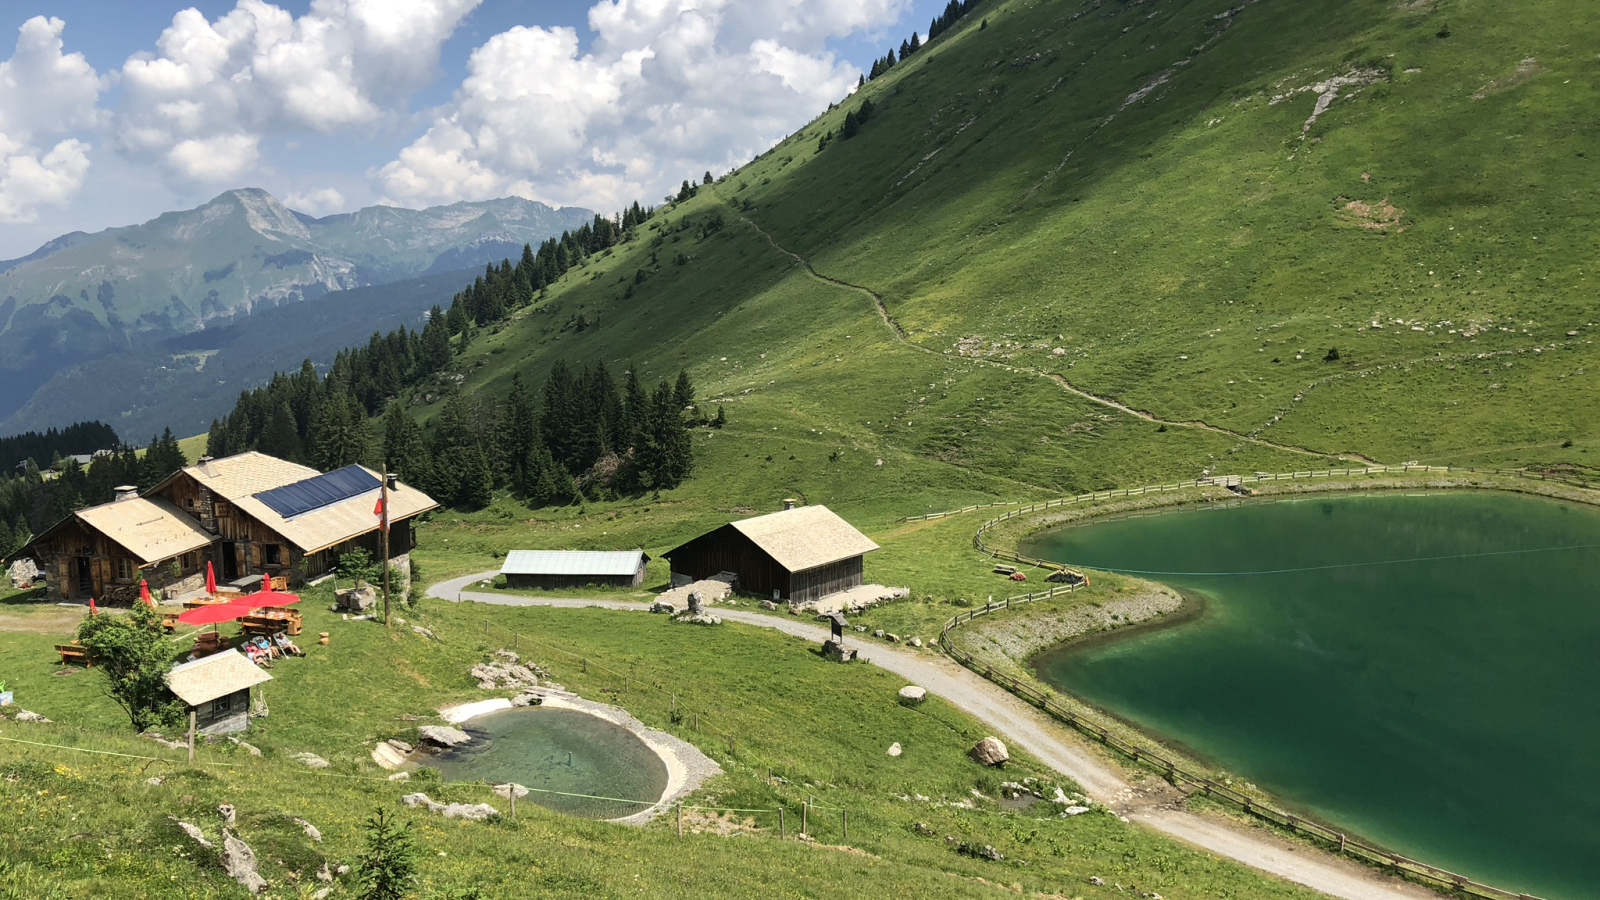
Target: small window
221,508
271,555
124,569
190,501
191,562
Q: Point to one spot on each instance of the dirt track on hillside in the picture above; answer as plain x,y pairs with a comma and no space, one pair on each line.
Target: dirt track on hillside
1021,725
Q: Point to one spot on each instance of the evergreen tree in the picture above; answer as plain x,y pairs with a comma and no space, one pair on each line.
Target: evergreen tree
707,179
8,543
387,870
162,458
475,488
722,417
560,415
405,453
339,433
683,391
280,438
518,434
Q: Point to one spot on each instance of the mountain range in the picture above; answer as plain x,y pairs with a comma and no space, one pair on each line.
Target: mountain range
84,297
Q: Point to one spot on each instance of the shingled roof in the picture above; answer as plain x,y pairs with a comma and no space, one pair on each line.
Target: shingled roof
214,676
805,537
150,528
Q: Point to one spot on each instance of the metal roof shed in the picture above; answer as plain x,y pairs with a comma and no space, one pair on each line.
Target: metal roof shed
217,689
555,569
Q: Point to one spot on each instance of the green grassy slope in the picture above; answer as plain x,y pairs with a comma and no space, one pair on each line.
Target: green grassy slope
1029,213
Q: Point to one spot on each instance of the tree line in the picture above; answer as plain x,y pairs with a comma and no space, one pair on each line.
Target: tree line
76,439
953,13
33,499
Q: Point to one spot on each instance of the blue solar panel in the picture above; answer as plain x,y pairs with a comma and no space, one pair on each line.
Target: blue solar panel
323,490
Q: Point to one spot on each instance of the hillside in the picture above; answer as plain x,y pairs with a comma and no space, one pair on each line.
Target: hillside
1183,209
87,296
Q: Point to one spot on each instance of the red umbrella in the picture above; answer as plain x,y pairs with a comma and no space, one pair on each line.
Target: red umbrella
212,613
144,592
268,597
211,579
92,610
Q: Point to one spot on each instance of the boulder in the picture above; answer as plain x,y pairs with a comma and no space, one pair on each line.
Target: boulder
249,748
310,759
474,811
388,756
194,834
311,830
894,749
239,861
25,716
400,776
769,606
443,735
915,642
892,638
911,695
990,752
878,634
22,573
662,606
360,598
1071,811
527,698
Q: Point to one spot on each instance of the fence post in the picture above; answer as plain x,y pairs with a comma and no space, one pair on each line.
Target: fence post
782,832
191,737
512,790
680,820
805,816
844,823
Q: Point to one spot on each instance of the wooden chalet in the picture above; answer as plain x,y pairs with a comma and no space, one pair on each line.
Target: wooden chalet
798,554
249,514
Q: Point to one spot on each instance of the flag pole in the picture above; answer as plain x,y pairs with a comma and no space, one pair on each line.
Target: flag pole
383,523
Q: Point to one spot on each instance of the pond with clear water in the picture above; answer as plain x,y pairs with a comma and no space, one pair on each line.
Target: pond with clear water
556,753
1421,669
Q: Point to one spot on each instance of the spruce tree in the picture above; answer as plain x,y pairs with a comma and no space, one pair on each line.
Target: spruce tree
518,434
404,451
475,488
683,391
280,438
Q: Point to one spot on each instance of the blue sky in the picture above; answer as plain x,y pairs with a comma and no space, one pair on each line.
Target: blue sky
113,112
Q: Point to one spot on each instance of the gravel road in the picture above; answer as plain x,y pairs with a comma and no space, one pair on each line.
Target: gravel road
1021,725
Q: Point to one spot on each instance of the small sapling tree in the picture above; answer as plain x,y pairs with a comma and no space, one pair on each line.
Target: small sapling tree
133,655
387,869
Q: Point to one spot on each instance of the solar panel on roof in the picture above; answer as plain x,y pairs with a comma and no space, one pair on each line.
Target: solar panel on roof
322,490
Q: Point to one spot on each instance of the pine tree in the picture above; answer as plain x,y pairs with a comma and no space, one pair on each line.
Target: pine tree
280,438
722,417
559,417
518,435
404,451
8,543
851,126
387,870
683,391
475,488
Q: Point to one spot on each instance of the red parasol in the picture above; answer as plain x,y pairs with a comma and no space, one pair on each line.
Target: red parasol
92,610
211,579
267,597
144,592
212,613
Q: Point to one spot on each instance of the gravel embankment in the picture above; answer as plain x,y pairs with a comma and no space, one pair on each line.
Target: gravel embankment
1028,630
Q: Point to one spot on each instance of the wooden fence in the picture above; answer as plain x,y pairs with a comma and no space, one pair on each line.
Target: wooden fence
1336,840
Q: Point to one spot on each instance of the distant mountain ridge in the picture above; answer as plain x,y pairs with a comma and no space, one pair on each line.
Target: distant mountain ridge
87,296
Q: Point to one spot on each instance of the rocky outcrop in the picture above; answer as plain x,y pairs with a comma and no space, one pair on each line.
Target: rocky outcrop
22,573
358,599
310,759
507,672
911,695
443,736
475,811
391,754
239,861
990,752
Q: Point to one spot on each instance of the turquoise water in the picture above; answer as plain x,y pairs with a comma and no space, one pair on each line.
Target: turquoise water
559,750
1422,669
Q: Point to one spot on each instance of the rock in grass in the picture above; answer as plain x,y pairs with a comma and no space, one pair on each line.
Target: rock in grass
311,830
990,752
443,735
310,759
911,695
451,810
228,812
239,861
25,716
894,749
388,756
193,831
915,642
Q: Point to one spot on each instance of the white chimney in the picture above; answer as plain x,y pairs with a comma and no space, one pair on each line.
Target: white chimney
207,468
126,492
788,503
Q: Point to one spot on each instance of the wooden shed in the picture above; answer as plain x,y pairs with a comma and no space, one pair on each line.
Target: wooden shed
216,689
553,569
797,555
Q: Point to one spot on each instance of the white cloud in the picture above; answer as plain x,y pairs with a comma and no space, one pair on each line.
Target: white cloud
217,87
316,202
43,93
669,89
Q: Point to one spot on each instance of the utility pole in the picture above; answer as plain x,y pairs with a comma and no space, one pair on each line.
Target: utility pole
384,525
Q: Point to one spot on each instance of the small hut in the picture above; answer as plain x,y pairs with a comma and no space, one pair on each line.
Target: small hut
796,554
553,569
217,690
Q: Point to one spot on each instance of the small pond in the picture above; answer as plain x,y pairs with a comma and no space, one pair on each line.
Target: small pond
559,750
1422,669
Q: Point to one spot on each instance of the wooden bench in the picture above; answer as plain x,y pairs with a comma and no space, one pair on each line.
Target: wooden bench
271,624
75,654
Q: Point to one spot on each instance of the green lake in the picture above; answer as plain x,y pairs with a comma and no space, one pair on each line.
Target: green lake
557,753
1421,669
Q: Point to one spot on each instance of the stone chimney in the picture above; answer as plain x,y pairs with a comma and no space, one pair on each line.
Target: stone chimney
207,468
788,503
126,492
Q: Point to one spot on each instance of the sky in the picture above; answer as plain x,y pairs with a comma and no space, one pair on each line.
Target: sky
113,112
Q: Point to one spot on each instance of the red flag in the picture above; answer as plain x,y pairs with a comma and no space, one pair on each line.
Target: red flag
382,514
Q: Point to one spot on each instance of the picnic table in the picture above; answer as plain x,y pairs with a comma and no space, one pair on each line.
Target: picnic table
271,621
75,653
209,642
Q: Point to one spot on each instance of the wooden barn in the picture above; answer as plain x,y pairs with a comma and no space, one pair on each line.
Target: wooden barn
216,689
248,515
552,569
797,555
